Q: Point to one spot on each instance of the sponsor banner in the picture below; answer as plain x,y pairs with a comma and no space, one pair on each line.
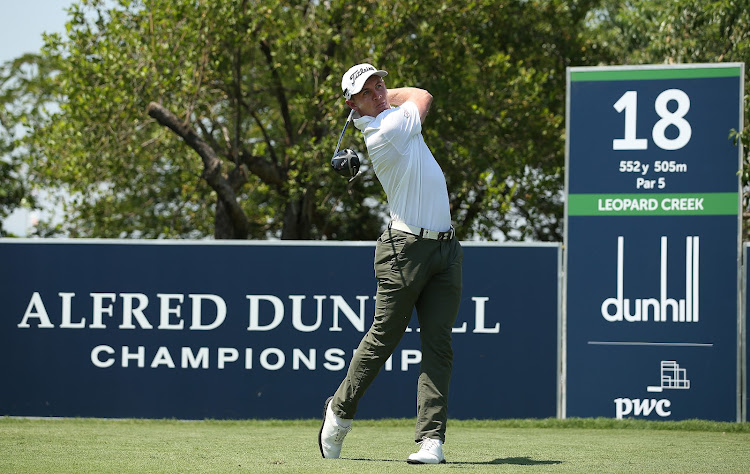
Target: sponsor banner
195,330
652,242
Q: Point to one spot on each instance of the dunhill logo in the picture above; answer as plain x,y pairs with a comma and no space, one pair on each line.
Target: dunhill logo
684,310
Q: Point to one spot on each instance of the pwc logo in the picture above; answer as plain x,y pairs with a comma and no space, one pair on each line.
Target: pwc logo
638,407
672,378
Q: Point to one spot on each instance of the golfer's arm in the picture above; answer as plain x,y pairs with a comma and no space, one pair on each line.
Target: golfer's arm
420,97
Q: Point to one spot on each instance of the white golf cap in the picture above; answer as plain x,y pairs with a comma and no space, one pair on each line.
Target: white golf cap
354,79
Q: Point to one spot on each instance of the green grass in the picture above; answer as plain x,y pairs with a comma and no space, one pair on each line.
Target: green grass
577,445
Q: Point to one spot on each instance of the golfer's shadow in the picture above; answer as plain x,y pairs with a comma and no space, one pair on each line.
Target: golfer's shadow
519,461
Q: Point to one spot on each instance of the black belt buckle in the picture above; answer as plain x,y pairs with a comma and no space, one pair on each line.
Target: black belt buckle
447,235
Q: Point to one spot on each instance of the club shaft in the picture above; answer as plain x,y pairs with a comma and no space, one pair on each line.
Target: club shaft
343,131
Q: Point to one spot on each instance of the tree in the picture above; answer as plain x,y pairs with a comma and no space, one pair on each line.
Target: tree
12,189
23,98
187,119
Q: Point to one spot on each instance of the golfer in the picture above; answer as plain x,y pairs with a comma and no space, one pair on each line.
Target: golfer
417,262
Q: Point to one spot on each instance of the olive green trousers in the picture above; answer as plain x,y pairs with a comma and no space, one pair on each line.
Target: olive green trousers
412,272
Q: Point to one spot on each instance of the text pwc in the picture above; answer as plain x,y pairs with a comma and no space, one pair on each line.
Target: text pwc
638,407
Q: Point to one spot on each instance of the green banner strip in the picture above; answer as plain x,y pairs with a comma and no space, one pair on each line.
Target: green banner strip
648,74
699,204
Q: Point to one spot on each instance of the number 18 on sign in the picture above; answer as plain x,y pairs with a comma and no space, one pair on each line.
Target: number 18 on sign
652,241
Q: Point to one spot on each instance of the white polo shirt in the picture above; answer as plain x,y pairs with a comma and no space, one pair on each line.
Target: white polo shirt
412,179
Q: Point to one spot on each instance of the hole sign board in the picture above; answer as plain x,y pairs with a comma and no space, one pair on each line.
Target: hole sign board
652,242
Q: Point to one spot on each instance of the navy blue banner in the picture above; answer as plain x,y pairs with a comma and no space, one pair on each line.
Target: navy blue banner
600,165
256,330
640,301
652,242
744,345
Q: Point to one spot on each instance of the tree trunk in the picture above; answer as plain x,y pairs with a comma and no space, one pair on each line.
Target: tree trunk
223,228
298,217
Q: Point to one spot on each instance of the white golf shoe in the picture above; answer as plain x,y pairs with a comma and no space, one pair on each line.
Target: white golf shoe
430,452
332,432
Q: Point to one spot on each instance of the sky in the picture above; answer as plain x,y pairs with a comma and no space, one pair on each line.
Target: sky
22,23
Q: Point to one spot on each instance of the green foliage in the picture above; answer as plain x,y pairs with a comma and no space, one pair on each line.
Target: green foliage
23,95
257,82
184,119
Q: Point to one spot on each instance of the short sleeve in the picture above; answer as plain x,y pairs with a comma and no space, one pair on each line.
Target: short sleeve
400,124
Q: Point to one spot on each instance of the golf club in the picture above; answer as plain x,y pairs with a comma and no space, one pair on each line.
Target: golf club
354,159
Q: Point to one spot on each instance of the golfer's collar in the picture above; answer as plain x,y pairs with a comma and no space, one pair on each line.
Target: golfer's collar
361,122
